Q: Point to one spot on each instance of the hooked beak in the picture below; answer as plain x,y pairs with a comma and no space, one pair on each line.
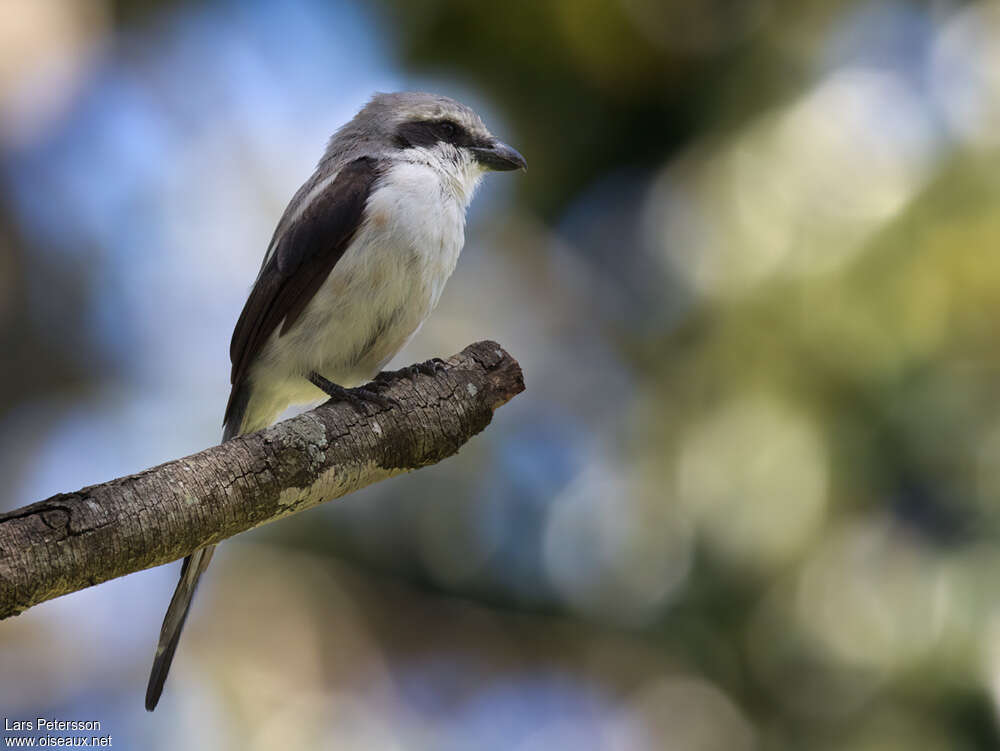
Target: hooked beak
499,156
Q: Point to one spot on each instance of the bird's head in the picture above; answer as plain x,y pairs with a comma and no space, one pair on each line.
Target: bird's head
432,129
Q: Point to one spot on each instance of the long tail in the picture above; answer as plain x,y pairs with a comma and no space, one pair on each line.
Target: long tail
194,566
173,622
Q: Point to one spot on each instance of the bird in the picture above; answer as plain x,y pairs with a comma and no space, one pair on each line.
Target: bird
356,264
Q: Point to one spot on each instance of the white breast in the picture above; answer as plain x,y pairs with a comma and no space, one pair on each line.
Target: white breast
376,297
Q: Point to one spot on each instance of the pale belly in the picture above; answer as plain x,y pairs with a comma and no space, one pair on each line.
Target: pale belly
374,301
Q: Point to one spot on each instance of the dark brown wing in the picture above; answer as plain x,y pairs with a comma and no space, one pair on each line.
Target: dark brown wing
302,258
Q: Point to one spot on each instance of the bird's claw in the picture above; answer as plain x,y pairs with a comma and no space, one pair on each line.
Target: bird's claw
356,397
430,368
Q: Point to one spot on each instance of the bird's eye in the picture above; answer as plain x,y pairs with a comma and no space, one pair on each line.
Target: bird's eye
447,129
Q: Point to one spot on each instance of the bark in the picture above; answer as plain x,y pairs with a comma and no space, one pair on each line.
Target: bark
74,540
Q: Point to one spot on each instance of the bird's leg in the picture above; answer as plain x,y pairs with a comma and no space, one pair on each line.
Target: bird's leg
355,397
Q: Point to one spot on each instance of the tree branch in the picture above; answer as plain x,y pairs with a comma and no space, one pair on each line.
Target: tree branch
75,540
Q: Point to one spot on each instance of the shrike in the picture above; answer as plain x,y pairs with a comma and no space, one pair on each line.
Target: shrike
357,262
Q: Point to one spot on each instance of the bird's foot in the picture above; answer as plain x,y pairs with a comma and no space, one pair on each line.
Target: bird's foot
356,397
429,367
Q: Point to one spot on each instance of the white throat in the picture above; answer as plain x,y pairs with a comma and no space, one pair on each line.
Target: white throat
458,171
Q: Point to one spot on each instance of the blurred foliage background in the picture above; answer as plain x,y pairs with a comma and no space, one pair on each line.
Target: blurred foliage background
749,500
